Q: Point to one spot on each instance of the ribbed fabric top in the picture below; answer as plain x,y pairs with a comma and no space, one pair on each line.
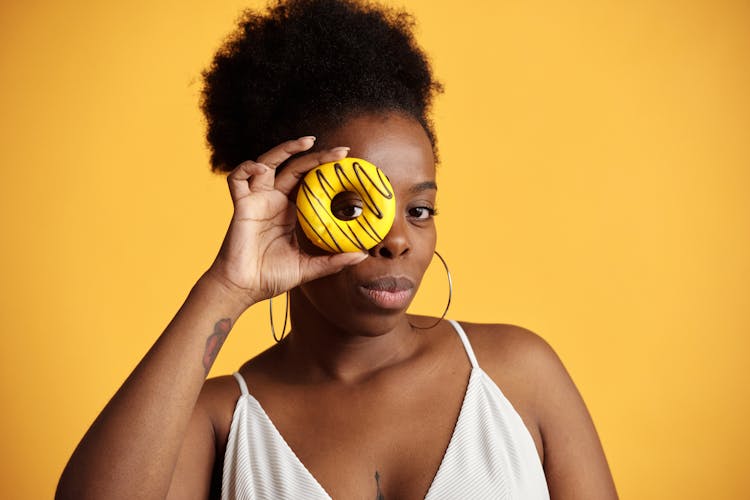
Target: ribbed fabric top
491,454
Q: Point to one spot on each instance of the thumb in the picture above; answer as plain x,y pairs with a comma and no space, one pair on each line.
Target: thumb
317,267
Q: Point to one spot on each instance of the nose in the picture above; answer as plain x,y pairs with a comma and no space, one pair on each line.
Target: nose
395,244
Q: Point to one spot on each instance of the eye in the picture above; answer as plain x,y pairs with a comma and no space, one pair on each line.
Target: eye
422,213
346,206
347,213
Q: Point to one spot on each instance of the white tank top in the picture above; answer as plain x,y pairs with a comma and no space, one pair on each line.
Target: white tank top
491,454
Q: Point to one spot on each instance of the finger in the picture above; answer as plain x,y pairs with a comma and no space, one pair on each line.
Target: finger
281,153
292,173
317,267
239,179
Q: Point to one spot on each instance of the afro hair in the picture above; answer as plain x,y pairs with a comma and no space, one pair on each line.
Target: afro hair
303,67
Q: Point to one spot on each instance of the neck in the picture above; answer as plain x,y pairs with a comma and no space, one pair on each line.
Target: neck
321,350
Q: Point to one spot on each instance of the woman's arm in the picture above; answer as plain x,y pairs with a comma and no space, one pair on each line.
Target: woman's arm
574,461
132,448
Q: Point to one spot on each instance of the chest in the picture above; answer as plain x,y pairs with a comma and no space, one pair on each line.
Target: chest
392,449
388,438
375,441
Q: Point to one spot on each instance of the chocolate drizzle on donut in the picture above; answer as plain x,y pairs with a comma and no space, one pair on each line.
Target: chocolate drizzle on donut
355,179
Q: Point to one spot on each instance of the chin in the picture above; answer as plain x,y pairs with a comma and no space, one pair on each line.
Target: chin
368,324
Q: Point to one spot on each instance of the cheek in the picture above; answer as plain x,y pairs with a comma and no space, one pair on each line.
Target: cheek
328,291
426,238
425,263
426,253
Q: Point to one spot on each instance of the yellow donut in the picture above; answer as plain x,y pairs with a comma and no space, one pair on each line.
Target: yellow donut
346,206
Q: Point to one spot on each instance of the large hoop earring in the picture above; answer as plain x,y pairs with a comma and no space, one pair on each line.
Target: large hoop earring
286,317
450,295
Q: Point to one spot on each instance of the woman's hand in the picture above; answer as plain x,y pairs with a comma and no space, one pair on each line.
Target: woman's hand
260,256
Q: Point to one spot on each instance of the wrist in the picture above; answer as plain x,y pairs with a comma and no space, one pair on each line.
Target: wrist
234,298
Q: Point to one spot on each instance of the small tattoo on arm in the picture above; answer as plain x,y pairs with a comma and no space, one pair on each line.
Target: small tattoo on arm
215,341
378,494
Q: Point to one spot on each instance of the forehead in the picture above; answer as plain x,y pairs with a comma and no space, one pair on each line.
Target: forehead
395,143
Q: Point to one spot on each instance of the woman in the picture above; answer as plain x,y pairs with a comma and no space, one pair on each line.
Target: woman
356,401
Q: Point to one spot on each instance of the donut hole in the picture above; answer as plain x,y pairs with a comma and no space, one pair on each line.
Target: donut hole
346,206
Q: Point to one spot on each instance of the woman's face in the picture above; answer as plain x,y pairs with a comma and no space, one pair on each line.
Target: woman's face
371,297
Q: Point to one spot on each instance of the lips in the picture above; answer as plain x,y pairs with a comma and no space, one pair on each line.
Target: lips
389,292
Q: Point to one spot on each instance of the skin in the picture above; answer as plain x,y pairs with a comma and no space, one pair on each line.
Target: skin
349,369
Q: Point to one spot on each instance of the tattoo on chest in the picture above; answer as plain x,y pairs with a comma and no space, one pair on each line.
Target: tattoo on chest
378,494
215,341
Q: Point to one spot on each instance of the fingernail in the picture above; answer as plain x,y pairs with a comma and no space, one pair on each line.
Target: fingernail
341,148
307,137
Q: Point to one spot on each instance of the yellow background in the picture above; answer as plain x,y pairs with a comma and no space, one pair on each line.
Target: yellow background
596,166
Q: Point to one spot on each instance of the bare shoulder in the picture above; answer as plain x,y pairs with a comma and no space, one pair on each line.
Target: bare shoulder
522,364
534,380
216,390
219,394
217,400
510,348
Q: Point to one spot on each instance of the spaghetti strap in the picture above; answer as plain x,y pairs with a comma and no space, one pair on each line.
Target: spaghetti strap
465,341
241,381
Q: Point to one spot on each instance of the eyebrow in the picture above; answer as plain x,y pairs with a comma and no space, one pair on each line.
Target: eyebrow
423,186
